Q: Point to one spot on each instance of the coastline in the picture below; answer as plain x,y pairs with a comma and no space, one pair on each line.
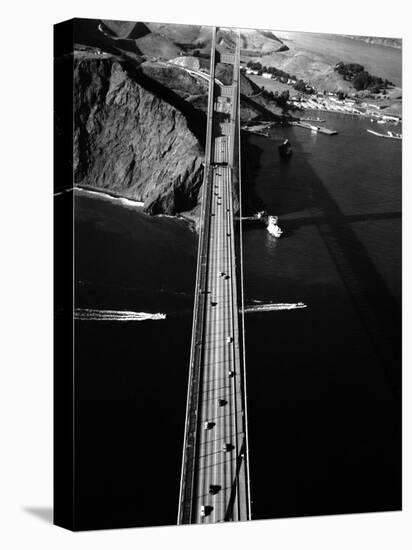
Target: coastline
189,217
364,109
108,194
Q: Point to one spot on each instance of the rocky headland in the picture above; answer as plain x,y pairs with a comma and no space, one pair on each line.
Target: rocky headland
131,140
139,117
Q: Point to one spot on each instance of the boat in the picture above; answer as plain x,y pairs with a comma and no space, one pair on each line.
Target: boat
285,149
273,227
394,135
389,134
381,121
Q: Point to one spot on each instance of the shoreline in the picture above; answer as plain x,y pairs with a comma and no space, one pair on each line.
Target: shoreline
192,220
339,112
108,194
355,109
98,191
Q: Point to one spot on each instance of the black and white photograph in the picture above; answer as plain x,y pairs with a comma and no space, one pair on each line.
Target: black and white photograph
227,210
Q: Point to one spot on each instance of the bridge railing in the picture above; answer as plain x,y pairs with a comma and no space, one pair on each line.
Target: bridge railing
188,473
242,293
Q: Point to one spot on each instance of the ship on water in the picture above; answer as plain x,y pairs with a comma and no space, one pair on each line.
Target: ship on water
273,227
285,149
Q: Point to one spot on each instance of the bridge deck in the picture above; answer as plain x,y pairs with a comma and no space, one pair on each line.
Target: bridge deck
214,485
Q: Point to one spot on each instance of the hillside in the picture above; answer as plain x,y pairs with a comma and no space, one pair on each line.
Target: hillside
264,42
156,45
181,34
125,29
314,55
133,141
140,120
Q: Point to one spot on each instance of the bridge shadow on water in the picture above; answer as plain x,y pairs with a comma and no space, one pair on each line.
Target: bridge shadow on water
324,382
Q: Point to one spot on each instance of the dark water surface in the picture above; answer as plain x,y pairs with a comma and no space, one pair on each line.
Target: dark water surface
323,382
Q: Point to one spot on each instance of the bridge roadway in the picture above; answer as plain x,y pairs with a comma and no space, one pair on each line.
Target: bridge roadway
214,480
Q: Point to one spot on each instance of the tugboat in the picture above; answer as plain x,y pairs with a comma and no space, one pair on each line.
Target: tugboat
273,227
285,149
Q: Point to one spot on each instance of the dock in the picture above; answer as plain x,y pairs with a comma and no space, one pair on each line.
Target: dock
314,128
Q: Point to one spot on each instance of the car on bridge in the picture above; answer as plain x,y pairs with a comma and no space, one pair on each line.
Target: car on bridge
208,425
214,489
206,510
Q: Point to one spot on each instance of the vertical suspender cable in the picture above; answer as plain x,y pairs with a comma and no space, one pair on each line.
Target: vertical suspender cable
242,292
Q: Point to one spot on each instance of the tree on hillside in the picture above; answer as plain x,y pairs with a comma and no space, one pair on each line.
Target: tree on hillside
300,86
361,81
283,98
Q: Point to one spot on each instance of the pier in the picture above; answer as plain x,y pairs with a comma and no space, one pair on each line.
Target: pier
314,128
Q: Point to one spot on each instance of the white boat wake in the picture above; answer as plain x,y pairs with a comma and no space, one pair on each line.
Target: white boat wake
274,307
113,315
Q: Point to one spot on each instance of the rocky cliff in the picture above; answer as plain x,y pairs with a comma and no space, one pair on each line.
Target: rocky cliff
134,137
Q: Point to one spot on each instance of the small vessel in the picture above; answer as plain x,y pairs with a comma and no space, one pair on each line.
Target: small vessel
381,121
389,134
273,227
285,149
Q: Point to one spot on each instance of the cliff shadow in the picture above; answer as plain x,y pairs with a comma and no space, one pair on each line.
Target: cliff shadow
129,56
195,119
